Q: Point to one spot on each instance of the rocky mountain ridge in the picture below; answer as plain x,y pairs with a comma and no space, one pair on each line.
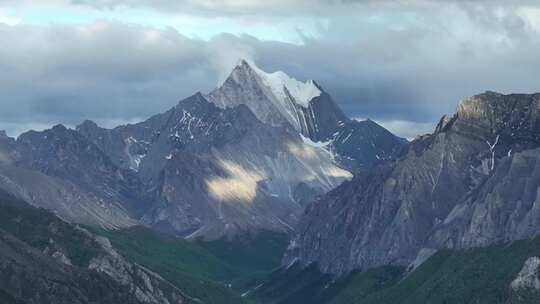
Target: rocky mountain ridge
473,182
45,260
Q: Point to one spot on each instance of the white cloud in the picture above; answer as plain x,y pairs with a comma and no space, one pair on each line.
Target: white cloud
391,61
8,19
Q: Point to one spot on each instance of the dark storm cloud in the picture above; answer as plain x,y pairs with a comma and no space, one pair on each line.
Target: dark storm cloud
103,71
415,64
402,65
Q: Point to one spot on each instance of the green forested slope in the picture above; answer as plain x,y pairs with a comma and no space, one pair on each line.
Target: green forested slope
481,275
214,272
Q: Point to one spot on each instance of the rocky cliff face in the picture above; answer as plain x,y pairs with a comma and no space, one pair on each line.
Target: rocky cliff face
363,144
67,199
66,154
45,260
118,148
472,182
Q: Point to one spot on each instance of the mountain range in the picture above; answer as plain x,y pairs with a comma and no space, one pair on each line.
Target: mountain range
473,182
264,191
247,156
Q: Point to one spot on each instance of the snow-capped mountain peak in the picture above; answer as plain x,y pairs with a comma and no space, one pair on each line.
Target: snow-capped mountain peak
280,100
275,98
280,84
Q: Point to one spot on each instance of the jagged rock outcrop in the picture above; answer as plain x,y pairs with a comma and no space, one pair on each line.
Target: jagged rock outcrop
67,199
363,144
527,278
29,277
115,146
66,154
45,260
473,182
145,285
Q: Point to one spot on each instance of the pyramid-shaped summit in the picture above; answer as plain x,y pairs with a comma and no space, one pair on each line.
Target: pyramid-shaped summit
280,100
281,85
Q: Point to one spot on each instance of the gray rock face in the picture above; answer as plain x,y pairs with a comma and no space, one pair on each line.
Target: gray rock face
321,118
67,199
145,285
527,278
30,277
473,182
364,144
356,145
115,146
219,171
66,154
246,87
36,254
279,100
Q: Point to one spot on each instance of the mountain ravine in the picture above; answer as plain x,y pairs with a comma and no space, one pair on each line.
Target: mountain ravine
473,182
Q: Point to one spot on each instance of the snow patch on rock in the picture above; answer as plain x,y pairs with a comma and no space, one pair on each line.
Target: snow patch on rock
302,92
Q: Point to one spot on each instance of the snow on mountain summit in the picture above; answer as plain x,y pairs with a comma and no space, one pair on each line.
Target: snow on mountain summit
275,98
281,84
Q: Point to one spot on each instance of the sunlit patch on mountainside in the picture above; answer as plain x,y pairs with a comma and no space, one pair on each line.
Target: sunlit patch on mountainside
316,156
241,185
335,171
302,150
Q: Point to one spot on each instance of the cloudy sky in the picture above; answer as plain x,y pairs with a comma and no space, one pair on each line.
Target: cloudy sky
401,63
